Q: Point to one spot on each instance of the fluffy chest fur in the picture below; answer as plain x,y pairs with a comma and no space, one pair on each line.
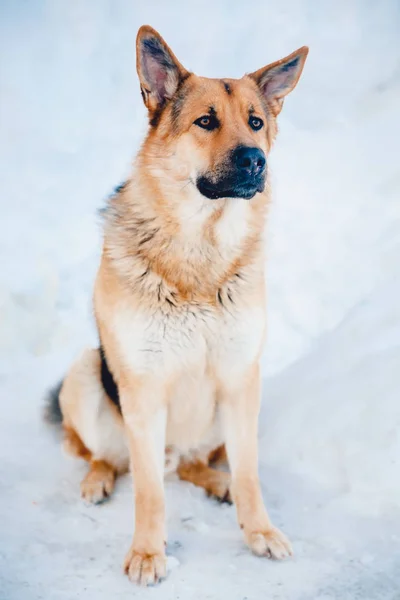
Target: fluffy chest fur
193,348
189,283
201,337
181,295
188,247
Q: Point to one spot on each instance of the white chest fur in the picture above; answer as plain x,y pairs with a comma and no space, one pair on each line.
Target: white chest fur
189,338
181,347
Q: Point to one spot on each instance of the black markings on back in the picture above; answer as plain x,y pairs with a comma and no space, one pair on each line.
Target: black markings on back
107,380
227,87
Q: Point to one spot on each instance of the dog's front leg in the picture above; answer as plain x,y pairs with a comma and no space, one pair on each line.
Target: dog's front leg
144,410
240,403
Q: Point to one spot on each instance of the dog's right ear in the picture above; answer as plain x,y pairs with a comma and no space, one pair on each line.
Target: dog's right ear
160,72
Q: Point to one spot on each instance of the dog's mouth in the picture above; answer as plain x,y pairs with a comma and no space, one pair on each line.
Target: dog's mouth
229,189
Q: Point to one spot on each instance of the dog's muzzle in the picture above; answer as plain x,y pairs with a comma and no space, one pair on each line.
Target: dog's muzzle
244,177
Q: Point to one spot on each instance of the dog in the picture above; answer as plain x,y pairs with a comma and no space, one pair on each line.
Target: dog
179,301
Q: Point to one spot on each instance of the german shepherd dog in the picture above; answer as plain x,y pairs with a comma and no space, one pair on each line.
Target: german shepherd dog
179,302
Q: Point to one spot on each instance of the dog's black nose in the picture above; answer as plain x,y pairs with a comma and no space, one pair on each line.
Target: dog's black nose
250,161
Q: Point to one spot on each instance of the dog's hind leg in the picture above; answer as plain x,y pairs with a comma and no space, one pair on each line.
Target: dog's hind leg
216,483
93,427
99,482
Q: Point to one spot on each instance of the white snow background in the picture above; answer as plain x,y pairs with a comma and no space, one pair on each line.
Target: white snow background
71,119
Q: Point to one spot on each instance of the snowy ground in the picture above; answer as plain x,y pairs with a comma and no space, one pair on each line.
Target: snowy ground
70,121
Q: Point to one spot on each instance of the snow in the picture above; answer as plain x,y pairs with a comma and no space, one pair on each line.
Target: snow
71,119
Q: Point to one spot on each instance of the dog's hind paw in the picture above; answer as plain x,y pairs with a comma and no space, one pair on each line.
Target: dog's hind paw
98,483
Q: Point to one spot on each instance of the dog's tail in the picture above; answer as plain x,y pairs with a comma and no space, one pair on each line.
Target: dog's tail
52,410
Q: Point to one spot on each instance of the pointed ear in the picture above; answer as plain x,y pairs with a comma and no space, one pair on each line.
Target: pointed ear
160,72
279,78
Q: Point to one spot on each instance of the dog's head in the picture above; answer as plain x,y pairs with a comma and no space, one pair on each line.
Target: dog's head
215,134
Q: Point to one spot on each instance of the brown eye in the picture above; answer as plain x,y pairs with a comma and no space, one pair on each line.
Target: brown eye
256,123
208,122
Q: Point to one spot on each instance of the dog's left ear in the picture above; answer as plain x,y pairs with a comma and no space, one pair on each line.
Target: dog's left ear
279,78
160,72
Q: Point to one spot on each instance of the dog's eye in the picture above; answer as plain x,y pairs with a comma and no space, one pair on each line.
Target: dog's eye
256,123
209,122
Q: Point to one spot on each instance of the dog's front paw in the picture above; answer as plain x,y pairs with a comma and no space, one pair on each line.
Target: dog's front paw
145,568
272,543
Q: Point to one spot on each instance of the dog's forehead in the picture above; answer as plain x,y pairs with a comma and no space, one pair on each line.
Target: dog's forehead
202,93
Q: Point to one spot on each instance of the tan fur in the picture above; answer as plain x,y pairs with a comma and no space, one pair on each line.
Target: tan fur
216,483
180,308
99,482
218,456
74,445
93,427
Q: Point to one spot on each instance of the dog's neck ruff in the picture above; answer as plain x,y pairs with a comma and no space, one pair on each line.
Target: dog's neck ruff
189,245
